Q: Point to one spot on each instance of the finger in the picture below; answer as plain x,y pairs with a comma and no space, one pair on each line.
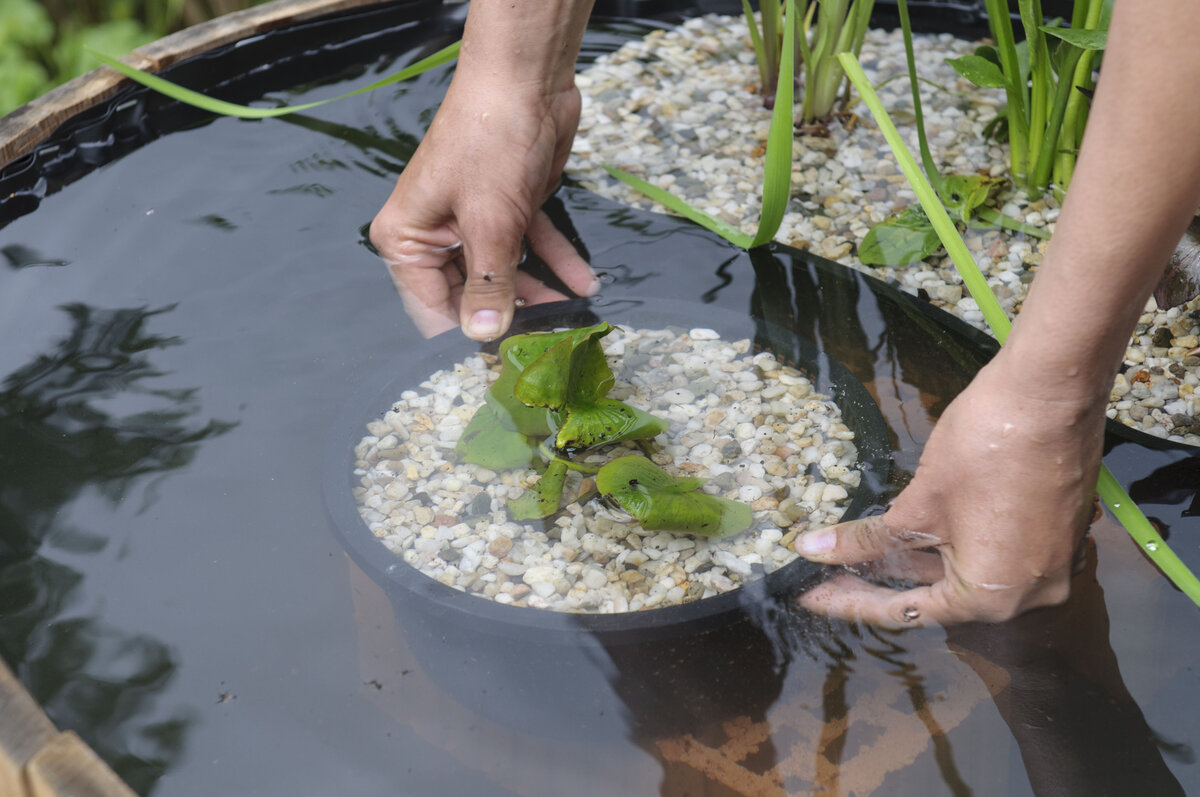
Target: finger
558,253
918,567
848,598
491,252
861,540
531,291
421,274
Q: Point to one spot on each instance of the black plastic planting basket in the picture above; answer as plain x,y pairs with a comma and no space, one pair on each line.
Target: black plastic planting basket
662,643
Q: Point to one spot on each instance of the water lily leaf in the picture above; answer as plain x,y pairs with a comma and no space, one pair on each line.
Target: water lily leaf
662,502
1181,281
1083,39
962,193
604,421
979,70
543,499
490,442
905,238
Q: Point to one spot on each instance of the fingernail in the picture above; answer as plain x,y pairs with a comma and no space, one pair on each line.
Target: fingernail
816,543
485,324
593,288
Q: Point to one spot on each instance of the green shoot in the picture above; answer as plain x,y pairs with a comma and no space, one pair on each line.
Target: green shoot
206,103
1118,501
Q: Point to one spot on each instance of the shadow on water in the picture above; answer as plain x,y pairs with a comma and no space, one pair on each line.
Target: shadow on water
62,432
343,687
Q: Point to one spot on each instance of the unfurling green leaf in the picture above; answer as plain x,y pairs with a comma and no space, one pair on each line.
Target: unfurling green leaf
570,378
542,500
662,502
979,70
905,238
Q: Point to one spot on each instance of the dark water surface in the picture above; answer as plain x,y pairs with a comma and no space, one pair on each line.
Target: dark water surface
181,329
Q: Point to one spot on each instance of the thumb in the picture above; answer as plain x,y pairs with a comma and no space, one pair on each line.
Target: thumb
863,540
492,252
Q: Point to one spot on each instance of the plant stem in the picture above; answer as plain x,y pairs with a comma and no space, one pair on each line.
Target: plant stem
1040,73
931,171
1014,89
1110,490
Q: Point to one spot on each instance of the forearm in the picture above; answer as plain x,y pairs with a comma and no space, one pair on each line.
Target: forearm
520,44
1137,184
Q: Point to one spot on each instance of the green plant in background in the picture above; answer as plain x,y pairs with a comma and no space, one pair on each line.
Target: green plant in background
1109,489
550,403
43,44
1047,81
821,29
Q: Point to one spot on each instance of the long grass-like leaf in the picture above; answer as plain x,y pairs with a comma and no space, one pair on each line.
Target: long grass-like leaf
777,167
206,103
683,208
1110,490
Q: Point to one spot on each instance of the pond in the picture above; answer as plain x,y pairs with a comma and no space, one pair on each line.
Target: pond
189,312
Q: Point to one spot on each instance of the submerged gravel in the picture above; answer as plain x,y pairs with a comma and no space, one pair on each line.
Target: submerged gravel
680,109
750,425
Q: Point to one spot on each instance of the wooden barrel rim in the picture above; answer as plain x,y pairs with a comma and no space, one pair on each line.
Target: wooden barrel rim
25,128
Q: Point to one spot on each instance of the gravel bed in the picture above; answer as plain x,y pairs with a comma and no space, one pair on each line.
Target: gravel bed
753,427
680,109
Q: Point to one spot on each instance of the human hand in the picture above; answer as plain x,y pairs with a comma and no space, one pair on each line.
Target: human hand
451,231
991,522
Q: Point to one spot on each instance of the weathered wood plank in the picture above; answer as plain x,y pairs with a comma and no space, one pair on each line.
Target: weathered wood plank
66,767
24,728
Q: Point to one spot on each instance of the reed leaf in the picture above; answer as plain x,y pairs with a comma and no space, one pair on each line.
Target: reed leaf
1110,490
206,103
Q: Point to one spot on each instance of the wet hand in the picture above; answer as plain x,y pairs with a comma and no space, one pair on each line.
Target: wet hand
988,528
451,232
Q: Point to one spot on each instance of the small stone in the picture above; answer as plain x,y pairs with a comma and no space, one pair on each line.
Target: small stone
500,547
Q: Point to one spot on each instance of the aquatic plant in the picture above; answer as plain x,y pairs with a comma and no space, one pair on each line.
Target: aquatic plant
840,26
1109,489
553,386
909,236
1047,81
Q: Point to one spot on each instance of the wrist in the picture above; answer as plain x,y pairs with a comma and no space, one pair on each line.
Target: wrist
524,46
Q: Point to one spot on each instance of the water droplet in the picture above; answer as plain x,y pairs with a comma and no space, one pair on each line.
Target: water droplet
1152,546
1116,505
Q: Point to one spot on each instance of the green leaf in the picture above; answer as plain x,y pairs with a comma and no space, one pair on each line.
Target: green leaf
573,371
115,36
204,102
905,238
488,442
662,502
979,70
604,421
683,208
543,500
1083,39
962,193
571,378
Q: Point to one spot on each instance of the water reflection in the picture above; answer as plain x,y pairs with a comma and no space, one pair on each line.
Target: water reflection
1060,691
62,433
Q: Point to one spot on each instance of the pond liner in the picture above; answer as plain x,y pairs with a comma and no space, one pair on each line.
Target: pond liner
665,670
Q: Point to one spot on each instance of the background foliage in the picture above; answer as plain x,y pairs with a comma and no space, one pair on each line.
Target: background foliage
42,43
